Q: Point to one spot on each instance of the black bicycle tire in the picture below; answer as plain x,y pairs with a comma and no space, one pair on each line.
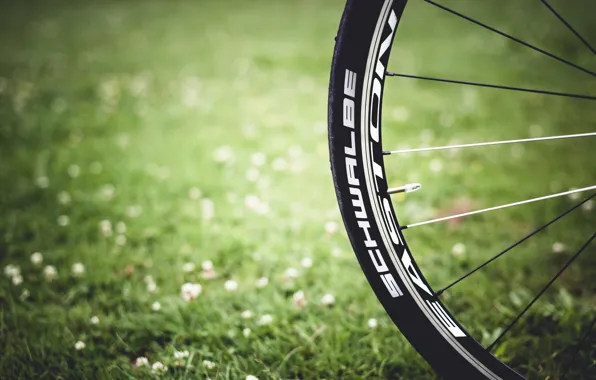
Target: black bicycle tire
362,49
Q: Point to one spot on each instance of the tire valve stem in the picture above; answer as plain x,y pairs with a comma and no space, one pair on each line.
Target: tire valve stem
410,187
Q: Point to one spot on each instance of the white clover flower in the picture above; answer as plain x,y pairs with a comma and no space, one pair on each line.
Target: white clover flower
80,345
331,227
17,280
63,220
158,367
121,227
188,267
151,287
64,197
262,282
94,320
50,272
459,249
194,193
231,285
42,182
105,227
223,154
141,361
299,298
265,319
306,262
372,323
190,291
291,273
181,354
246,332
252,201
107,192
559,247
36,258
208,364
328,299
246,314
258,159
12,270
74,171
78,269
207,265
120,240
336,252
156,306
279,164
251,377
588,206
207,209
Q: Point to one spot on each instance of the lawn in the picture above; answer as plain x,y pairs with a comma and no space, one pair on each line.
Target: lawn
150,146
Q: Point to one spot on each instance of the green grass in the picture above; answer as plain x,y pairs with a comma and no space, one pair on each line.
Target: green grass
114,111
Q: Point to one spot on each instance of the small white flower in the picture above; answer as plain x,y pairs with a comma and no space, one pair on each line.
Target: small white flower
141,361
94,320
246,314
42,182
17,280
134,211
328,299
50,272
458,250
265,319
74,171
279,164
12,270
306,262
24,295
372,323
231,285
105,227
291,273
208,364
246,332
559,247
156,306
336,252
252,201
63,220
262,282
78,269
194,193
180,354
151,287
64,197
258,159
251,377
223,154
207,209
36,258
190,291
207,265
158,367
107,192
120,240
299,298
588,206
188,267
121,227
331,227
79,345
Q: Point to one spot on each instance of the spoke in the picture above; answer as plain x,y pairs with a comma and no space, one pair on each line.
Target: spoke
500,207
513,245
579,96
589,134
511,38
544,289
568,26
577,347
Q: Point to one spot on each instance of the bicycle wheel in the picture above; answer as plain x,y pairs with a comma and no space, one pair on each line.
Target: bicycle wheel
357,84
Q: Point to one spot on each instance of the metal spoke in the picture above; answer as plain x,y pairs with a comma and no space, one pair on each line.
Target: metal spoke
511,37
500,207
563,94
438,293
544,289
589,134
553,11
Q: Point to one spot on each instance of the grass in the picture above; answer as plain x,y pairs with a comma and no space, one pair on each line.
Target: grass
137,137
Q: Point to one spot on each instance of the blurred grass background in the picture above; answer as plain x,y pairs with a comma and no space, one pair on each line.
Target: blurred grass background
141,139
